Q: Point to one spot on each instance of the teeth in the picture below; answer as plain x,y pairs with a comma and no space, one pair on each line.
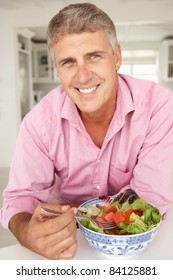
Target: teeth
87,90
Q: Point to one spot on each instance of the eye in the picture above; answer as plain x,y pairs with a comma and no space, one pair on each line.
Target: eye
94,56
67,62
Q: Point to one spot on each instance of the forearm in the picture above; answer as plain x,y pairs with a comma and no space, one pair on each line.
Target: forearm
18,225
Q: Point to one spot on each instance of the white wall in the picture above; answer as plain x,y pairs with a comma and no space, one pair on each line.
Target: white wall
10,20
8,105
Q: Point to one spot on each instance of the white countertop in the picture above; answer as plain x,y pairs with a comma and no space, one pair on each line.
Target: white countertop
161,248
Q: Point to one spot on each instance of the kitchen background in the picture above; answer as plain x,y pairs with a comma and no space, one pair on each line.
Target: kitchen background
27,73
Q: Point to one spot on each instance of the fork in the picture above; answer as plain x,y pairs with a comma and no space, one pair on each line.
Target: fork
103,225
107,202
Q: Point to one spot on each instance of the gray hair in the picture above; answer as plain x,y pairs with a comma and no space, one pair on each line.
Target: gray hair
78,18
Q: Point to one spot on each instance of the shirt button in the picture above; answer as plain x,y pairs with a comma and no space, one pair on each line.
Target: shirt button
98,187
98,161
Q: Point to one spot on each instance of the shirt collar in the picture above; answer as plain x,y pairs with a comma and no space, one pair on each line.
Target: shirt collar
124,103
124,98
69,110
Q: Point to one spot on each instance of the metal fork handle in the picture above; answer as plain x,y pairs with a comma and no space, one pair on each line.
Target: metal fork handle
48,211
59,213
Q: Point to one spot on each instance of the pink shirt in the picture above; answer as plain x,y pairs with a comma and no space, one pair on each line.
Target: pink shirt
137,151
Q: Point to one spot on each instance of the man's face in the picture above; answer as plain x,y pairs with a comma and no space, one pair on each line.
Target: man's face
87,66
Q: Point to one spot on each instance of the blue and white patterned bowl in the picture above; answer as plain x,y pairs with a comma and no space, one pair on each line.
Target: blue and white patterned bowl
116,245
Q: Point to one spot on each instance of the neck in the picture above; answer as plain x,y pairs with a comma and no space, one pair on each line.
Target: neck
97,124
101,116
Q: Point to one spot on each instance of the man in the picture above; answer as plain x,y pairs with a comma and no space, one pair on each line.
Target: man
98,133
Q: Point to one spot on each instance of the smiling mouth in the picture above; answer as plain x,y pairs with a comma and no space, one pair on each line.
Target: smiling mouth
87,90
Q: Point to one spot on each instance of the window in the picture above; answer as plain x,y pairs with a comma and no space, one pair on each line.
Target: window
143,71
140,64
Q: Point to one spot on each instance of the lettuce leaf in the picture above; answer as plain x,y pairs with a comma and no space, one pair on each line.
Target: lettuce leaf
132,228
91,225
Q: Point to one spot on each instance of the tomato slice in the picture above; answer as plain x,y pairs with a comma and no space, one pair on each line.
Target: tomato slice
112,208
109,216
104,214
118,217
138,212
127,214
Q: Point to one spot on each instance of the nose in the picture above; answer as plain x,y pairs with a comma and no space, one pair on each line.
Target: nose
83,73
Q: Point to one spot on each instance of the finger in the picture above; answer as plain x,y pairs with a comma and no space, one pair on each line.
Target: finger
65,207
41,215
39,210
59,236
57,248
50,239
39,229
51,247
69,252
58,223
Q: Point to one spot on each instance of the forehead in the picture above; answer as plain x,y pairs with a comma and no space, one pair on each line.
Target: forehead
73,44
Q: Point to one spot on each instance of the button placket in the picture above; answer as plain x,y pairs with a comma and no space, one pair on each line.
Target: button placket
96,179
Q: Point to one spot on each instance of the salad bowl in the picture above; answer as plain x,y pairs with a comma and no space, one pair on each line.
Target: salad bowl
116,246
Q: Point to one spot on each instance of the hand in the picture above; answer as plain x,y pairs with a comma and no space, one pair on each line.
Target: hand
53,238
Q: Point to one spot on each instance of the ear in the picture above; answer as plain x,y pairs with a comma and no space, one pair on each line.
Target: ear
118,57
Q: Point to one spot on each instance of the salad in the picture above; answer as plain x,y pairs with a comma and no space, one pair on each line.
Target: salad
130,217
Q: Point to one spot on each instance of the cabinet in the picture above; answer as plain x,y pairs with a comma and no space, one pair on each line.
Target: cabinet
170,62
24,71
166,56
43,66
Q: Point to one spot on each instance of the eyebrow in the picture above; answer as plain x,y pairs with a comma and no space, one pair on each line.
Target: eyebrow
95,52
61,61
